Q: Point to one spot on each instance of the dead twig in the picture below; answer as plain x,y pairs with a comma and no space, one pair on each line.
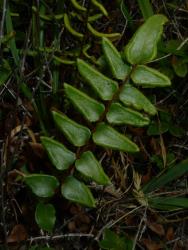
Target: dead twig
59,237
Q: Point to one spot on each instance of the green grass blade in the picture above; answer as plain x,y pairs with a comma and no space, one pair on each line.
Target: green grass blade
41,35
171,174
146,8
12,42
168,203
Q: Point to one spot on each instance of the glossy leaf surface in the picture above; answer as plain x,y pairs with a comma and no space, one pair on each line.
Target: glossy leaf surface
90,108
77,134
78,192
90,167
130,96
108,137
121,115
118,68
148,77
45,216
142,48
60,156
42,185
104,86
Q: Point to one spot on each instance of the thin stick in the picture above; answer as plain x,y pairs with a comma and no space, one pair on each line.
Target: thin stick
139,231
112,223
59,237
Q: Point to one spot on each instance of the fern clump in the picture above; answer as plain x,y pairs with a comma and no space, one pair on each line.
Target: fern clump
119,102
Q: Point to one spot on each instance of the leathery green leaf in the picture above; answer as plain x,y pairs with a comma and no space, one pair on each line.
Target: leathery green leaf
90,108
108,137
172,173
45,216
90,167
119,69
118,114
149,78
104,86
75,133
60,156
78,192
168,203
42,185
131,96
142,48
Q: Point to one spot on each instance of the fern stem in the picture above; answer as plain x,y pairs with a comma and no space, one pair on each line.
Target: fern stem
115,96
90,144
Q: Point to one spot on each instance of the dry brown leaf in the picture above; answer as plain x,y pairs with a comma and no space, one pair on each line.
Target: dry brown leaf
84,228
156,228
155,146
147,176
170,233
37,149
84,218
17,234
151,245
75,209
72,226
137,131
